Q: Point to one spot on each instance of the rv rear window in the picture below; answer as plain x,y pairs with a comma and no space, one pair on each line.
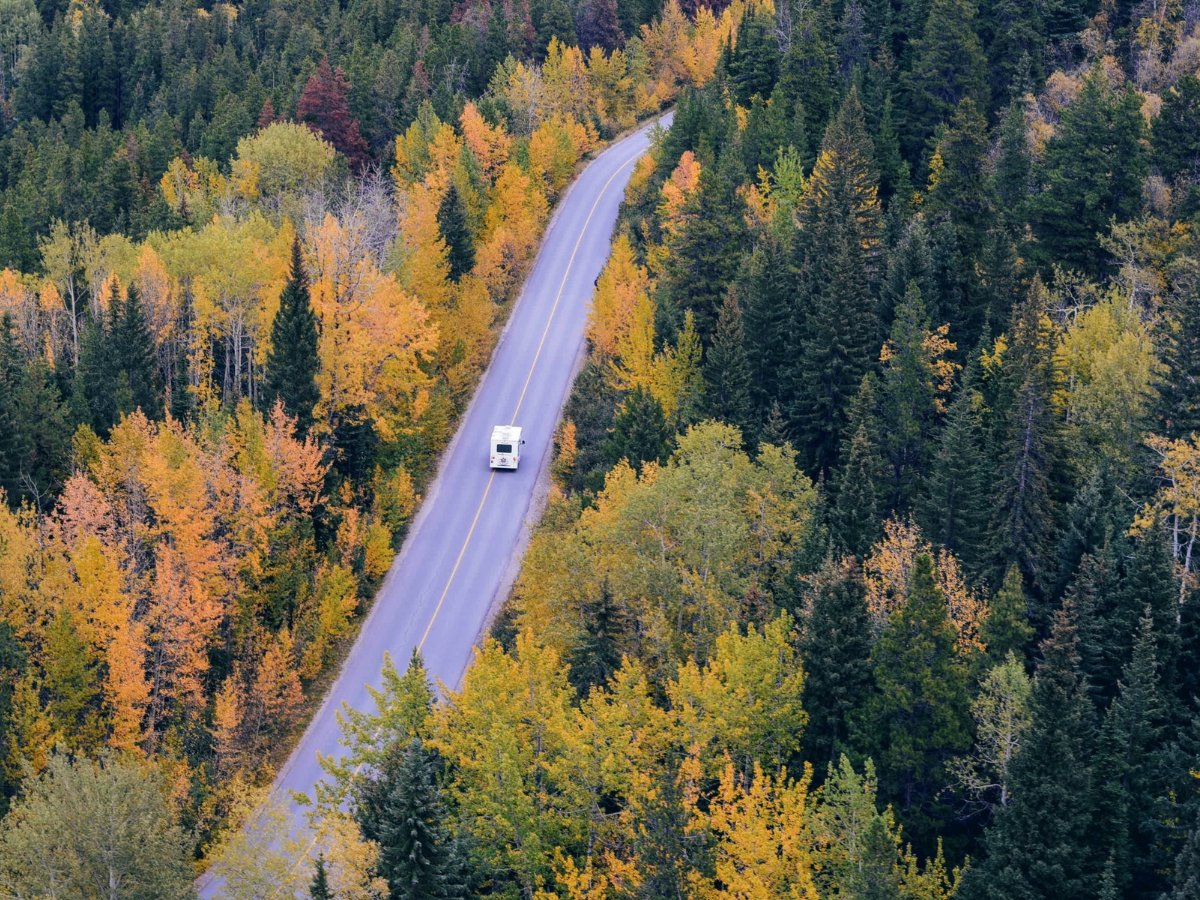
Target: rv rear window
504,448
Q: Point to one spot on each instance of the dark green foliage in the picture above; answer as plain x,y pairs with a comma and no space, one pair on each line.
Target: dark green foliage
1129,780
292,364
456,232
1092,519
13,660
591,407
895,174
953,506
134,359
919,715
754,61
1014,167
908,401
1179,394
1028,446
838,268
1040,848
855,516
597,653
1186,881
319,889
1006,628
727,371
948,66
639,433
1083,190
705,257
764,289
835,645
1175,136
417,856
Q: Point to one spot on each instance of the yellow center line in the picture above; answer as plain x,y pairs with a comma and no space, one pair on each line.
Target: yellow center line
483,500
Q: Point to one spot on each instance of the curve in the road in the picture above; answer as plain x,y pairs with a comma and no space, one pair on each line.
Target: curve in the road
439,591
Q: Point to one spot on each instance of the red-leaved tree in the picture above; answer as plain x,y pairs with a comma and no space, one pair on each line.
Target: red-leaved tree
323,107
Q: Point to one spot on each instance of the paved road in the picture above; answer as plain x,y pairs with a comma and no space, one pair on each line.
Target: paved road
441,586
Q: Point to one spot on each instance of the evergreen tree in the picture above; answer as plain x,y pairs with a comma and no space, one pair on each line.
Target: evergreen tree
1186,881
753,62
855,518
953,505
895,174
1126,765
1179,392
1011,30
133,348
555,21
456,232
639,433
765,285
948,66
919,716
319,889
71,679
774,430
726,370
1175,137
94,400
597,654
835,644
417,854
1025,511
291,370
834,320
1092,518
1039,846
599,25
1013,177
705,256
908,400
323,104
1084,191
1006,628
13,660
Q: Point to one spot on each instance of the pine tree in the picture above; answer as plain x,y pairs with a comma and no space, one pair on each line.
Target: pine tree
726,370
456,232
774,430
1006,628
291,371
1039,846
639,433
597,654
1084,191
855,518
765,286
319,889
1179,392
835,644
133,349
919,715
417,855
95,380
895,174
834,321
908,400
948,66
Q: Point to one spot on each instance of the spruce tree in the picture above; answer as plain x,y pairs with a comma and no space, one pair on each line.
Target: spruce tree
1126,766
10,374
1084,190
835,644
133,348
854,518
1175,136
1186,881
1039,847
919,716
948,66
456,232
1013,177
1006,628
834,320
726,370
95,380
765,286
319,888
1179,392
908,401
1029,445
418,857
597,653
291,371
639,433
952,506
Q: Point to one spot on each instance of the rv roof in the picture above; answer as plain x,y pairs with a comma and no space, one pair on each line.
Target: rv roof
509,434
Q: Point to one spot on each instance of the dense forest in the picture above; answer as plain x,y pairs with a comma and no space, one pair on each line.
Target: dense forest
868,569
255,259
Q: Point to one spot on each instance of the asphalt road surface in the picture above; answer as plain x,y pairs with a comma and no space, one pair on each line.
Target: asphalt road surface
468,532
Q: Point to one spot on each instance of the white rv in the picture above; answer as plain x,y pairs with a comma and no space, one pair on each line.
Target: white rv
506,446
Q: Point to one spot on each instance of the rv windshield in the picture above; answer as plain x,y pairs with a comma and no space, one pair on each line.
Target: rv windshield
504,448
